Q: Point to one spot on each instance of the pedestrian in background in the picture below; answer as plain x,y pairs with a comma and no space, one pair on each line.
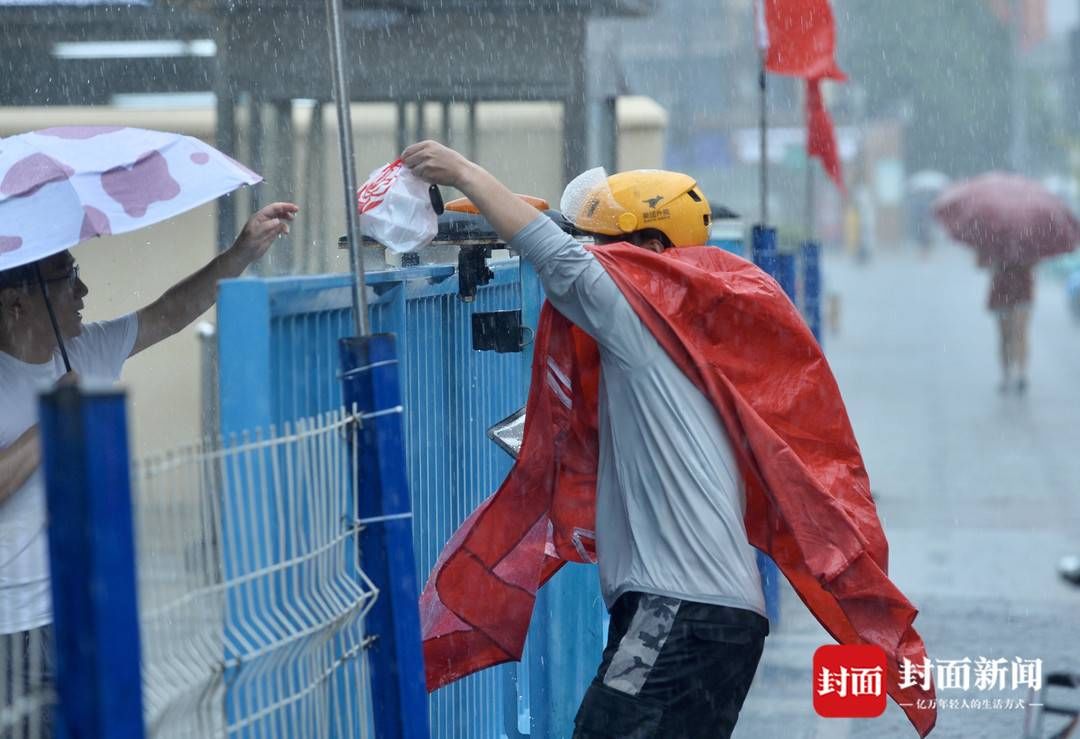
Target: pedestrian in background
1012,289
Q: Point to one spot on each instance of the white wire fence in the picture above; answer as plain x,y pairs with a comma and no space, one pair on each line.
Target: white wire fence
252,601
26,691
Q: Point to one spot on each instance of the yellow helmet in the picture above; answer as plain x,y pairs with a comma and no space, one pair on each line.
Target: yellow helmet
669,202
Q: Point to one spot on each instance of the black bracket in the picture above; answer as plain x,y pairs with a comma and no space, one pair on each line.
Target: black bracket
473,270
500,331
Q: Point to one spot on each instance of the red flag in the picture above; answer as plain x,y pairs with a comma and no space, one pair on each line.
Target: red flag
1032,20
820,137
799,38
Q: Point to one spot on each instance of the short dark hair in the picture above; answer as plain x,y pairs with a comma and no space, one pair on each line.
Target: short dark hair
19,276
636,237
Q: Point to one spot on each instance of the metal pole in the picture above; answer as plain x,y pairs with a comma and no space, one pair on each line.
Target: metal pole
474,137
810,171
1018,147
225,129
764,146
348,165
401,109
421,122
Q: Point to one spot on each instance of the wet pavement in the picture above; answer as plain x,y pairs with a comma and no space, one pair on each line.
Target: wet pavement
979,492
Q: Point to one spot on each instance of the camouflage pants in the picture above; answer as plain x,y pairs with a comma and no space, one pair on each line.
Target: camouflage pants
672,670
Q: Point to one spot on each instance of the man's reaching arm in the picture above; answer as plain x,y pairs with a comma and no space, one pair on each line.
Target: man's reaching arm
190,298
573,280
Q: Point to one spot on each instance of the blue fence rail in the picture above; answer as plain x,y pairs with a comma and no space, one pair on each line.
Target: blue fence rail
278,359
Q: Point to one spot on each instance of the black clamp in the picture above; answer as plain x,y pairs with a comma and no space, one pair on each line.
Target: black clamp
499,331
473,270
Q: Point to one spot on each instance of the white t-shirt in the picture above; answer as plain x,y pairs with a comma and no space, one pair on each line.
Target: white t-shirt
97,354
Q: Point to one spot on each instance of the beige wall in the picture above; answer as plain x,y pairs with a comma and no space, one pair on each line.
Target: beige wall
519,142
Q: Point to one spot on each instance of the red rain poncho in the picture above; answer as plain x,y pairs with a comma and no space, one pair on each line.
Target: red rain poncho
732,330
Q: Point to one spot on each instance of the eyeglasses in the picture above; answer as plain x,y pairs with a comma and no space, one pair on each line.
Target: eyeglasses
24,277
72,277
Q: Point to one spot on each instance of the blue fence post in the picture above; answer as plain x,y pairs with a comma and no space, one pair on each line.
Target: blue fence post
370,382
785,275
246,405
763,248
92,559
811,265
765,256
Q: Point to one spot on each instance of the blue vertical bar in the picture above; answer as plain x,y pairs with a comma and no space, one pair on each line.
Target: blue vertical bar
245,369
92,559
370,381
245,381
811,264
785,274
765,256
763,248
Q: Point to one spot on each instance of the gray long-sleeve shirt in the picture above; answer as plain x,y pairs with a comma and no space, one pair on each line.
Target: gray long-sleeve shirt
669,497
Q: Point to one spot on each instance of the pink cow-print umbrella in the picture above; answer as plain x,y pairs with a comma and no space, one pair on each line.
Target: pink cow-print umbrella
65,185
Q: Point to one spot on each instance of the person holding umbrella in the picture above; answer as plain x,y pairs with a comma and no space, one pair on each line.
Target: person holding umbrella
1012,223
30,359
92,181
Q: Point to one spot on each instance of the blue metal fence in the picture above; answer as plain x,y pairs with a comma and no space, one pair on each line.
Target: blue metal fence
278,344
278,359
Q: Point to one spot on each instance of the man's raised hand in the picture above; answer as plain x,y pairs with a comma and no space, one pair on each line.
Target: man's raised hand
268,223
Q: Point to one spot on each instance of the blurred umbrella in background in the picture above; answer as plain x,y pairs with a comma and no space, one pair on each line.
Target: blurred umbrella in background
1007,218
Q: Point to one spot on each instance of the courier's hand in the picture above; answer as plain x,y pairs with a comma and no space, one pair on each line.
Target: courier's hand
437,164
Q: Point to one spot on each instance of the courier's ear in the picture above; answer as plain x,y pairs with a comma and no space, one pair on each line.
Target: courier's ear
653,245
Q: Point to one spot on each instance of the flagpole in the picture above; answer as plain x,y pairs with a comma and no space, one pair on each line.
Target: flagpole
1018,141
764,136
336,31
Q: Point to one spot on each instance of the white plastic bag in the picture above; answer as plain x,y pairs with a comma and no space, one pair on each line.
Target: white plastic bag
395,208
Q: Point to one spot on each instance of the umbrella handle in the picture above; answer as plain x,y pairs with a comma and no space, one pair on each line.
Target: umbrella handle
52,318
